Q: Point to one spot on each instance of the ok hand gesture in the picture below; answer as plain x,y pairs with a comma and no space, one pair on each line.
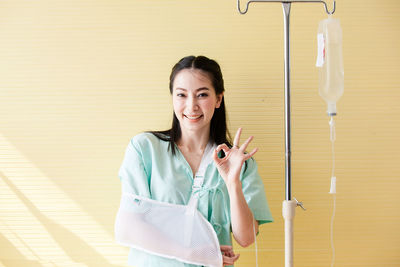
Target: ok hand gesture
229,167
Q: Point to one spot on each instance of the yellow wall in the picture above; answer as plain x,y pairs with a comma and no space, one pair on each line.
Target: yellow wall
80,78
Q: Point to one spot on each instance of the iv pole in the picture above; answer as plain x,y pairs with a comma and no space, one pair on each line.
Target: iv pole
289,205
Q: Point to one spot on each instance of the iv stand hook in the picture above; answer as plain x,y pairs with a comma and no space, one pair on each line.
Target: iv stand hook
288,1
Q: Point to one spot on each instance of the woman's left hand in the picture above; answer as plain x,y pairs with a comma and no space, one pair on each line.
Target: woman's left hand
230,166
228,256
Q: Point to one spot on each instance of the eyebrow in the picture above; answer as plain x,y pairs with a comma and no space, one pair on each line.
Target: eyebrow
198,89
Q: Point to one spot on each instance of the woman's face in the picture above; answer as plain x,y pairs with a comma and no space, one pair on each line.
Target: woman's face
194,100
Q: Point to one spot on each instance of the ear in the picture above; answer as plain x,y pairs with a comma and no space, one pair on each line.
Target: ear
219,99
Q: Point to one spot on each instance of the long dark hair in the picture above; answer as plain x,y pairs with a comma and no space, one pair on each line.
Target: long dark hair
218,130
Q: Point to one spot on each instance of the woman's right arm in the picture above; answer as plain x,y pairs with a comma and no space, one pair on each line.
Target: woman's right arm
132,173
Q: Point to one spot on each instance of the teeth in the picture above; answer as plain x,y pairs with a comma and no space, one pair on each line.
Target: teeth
192,118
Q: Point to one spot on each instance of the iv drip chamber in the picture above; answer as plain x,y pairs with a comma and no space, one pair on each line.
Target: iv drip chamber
330,62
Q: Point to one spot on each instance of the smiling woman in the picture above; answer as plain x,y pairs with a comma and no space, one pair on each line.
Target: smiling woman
192,165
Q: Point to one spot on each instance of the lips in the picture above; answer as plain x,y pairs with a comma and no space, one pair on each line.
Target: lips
193,117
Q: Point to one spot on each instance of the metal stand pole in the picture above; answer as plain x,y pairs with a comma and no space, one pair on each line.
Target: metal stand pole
288,152
288,206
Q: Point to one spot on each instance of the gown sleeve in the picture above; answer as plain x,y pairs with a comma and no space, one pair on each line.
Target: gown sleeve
132,173
254,192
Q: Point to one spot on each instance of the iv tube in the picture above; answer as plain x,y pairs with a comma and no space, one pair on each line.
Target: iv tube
333,138
333,185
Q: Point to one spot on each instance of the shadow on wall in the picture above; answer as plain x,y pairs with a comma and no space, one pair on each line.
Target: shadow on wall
10,255
78,250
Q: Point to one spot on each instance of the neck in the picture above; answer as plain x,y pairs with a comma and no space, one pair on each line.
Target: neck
194,141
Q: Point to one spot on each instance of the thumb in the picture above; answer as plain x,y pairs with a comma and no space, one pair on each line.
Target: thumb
215,156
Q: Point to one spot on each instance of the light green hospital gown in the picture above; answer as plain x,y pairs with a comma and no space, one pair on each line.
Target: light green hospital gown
150,170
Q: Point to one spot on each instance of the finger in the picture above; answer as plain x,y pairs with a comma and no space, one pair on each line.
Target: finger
223,147
229,253
215,156
226,248
245,144
226,260
230,260
249,155
217,159
236,141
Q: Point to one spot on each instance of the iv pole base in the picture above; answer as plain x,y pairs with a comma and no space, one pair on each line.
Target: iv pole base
288,212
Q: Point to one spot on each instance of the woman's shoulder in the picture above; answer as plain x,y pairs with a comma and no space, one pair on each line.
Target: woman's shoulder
143,137
146,140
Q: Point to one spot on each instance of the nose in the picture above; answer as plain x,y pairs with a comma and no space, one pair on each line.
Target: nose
192,104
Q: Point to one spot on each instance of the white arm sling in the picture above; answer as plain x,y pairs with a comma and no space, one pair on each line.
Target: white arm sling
170,230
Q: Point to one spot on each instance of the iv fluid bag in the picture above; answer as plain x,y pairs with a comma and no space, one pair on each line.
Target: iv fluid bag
330,62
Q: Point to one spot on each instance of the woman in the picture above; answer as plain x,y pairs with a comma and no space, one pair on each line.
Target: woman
161,165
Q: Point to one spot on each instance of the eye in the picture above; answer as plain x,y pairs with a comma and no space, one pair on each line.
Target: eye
180,95
203,95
